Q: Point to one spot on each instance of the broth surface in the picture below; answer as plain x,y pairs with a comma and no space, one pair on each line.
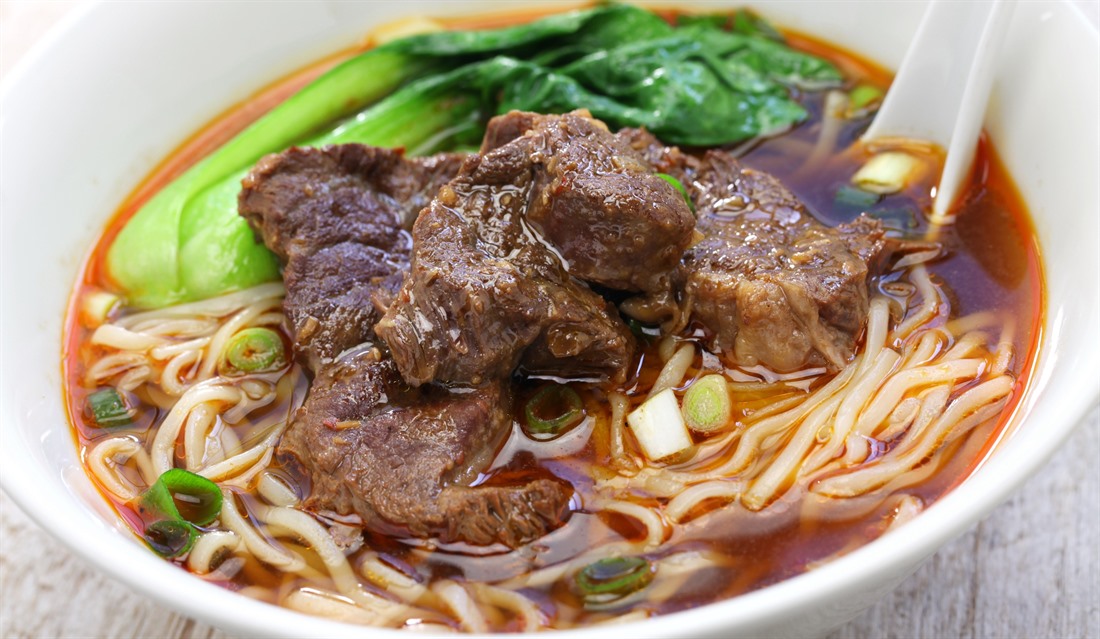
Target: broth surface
992,264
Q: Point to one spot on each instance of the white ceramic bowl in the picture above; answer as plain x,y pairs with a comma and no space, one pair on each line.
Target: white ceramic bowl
93,108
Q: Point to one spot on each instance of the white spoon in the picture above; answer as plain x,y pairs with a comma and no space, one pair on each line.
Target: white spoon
940,92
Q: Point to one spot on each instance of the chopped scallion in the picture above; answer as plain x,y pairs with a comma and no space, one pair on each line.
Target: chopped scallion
554,409
613,578
255,350
707,405
857,198
106,408
659,426
864,96
901,219
182,495
679,186
642,330
170,537
96,307
887,172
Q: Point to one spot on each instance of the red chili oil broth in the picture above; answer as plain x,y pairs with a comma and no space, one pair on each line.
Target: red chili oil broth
992,263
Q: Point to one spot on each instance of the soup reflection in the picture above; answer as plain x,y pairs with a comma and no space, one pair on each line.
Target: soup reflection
583,375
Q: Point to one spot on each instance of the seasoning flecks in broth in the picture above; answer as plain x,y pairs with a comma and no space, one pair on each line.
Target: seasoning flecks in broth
576,374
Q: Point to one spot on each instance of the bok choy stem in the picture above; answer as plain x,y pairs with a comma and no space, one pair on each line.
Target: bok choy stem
699,84
149,259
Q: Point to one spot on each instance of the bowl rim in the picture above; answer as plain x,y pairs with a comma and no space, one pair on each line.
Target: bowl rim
180,590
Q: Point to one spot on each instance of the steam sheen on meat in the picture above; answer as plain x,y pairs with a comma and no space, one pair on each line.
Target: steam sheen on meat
768,283
504,271
503,255
401,457
398,458
338,218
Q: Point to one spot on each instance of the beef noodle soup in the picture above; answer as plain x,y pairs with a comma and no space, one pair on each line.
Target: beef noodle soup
574,363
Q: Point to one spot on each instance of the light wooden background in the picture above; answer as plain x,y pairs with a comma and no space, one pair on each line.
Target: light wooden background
1031,570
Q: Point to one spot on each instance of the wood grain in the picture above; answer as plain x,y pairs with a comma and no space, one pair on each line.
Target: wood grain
1032,569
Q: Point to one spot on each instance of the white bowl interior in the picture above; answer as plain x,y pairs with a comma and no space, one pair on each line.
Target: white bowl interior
96,106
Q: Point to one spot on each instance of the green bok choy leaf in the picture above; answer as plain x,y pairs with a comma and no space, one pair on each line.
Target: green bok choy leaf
698,84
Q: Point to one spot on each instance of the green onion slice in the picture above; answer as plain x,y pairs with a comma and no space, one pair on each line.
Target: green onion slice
107,408
613,578
170,537
255,350
901,219
887,172
857,198
642,330
679,186
553,409
863,96
181,495
707,405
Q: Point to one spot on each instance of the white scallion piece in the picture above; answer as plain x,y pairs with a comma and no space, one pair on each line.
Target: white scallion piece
96,307
887,172
659,426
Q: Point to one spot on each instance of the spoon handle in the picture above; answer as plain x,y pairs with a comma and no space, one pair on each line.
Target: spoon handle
942,87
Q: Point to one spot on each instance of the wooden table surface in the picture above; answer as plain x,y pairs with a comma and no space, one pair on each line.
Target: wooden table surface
1030,570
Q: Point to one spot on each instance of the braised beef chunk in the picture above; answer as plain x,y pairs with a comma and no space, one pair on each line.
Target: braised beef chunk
337,217
398,457
307,198
597,201
664,159
483,290
495,278
335,296
499,255
769,283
